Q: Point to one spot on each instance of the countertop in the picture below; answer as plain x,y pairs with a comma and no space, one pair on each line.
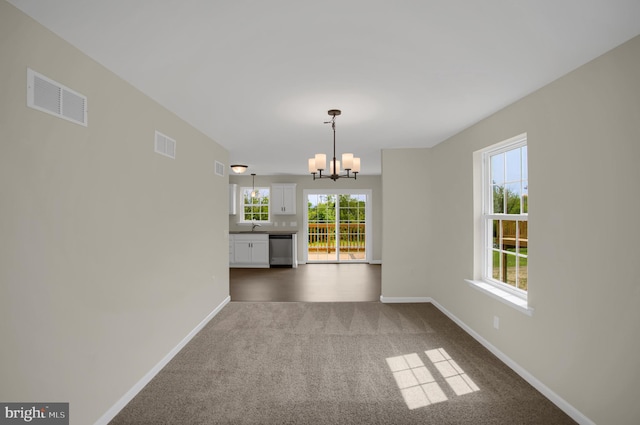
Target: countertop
262,232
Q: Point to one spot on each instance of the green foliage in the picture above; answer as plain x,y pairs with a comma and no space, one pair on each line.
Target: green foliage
352,209
256,208
513,203
256,200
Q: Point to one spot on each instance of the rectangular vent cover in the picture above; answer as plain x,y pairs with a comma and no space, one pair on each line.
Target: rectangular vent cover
51,97
165,145
220,168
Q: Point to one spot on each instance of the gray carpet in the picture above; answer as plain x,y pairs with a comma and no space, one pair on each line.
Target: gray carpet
336,363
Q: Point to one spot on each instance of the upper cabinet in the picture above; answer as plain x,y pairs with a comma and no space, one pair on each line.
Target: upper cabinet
283,198
233,204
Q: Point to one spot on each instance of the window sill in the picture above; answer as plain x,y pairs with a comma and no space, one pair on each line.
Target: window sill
502,296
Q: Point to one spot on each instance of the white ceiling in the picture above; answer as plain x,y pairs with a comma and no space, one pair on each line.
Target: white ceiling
259,76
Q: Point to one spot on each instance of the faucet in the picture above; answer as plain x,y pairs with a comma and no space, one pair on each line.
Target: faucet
253,227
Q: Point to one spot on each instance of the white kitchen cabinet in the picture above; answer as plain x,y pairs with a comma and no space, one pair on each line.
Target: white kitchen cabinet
283,199
250,250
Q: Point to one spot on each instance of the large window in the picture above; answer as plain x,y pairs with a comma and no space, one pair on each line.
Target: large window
505,215
255,204
336,226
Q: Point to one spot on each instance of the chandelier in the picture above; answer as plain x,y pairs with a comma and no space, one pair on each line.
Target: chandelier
318,163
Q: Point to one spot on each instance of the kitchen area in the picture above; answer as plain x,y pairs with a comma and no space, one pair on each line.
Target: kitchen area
290,203
268,256
261,248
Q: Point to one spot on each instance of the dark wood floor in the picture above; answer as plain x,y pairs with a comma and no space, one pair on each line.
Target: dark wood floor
309,282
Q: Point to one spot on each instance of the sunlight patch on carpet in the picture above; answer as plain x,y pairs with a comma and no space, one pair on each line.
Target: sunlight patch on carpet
459,382
417,384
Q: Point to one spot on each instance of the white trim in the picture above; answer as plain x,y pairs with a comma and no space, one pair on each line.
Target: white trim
375,262
503,296
506,145
574,413
507,217
390,300
126,398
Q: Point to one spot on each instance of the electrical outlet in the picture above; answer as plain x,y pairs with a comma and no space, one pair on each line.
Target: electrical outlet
496,322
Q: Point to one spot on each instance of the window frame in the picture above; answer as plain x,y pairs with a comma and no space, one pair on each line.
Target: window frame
488,216
243,205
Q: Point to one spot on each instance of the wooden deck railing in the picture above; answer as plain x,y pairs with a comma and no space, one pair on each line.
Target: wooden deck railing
510,240
509,234
322,236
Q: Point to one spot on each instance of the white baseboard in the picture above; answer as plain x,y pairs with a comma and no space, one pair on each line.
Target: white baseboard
390,300
125,399
574,413
378,262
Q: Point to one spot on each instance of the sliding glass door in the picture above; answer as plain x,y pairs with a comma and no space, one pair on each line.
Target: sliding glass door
337,224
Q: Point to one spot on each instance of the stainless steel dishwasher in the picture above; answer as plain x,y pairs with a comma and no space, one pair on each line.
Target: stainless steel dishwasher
280,250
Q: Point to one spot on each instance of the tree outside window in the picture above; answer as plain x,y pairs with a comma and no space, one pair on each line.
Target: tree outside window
255,204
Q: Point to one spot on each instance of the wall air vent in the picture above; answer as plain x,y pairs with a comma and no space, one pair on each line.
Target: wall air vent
165,145
51,97
219,169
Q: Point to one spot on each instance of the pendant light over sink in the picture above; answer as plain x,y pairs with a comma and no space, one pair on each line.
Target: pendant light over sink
253,192
318,163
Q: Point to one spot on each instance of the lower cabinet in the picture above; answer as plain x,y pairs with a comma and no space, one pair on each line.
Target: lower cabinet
249,250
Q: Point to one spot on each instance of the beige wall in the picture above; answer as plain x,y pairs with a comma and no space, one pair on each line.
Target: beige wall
407,222
107,249
374,183
584,147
